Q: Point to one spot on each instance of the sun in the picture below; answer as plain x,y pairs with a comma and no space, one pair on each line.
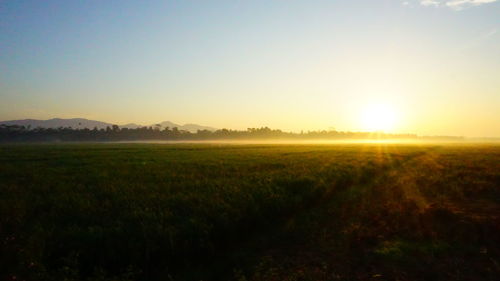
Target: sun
378,117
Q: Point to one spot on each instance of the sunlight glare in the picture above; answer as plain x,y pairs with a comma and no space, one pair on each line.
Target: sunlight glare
378,117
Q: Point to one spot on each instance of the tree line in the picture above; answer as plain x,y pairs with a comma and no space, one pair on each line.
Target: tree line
16,133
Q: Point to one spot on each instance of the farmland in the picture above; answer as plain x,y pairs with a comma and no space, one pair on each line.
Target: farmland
250,212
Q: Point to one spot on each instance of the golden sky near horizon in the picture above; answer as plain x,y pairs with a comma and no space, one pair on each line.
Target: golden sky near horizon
424,67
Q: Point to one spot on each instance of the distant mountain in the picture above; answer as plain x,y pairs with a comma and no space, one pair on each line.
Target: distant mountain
81,123
131,126
75,123
187,127
196,127
169,124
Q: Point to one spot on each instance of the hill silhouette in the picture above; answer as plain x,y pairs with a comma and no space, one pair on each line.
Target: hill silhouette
82,123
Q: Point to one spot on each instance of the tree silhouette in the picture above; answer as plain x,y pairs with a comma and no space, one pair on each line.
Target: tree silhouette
15,133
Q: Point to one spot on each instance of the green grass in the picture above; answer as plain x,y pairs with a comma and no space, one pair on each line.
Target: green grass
249,212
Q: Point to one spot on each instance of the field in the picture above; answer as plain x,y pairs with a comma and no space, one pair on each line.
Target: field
249,212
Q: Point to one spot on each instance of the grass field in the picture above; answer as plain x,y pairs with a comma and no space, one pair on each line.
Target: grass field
249,212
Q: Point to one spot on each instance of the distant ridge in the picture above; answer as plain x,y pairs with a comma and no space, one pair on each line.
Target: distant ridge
75,123
82,123
131,126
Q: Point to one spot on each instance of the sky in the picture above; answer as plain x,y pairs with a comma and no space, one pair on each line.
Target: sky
432,66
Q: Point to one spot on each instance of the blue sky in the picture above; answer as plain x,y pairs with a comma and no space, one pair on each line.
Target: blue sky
285,64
